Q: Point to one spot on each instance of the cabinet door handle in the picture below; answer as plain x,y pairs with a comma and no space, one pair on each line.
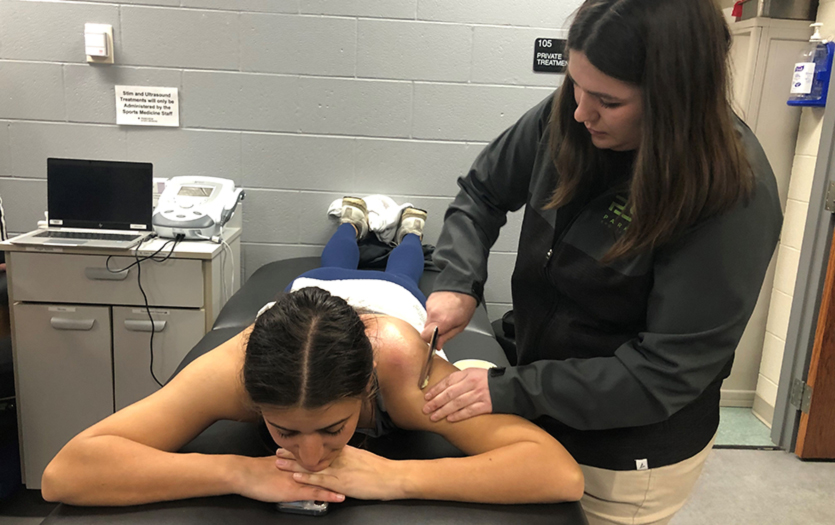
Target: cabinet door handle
139,325
62,323
103,274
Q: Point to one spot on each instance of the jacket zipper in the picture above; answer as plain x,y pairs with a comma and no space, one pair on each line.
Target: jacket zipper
557,239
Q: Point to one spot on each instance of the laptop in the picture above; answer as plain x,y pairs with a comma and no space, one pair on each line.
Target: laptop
95,204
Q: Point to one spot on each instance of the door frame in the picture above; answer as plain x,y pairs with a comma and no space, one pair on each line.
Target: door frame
811,273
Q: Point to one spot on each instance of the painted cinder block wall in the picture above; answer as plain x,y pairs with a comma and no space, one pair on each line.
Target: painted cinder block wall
301,101
298,101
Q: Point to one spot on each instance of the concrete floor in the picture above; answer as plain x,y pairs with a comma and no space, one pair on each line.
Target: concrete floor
757,487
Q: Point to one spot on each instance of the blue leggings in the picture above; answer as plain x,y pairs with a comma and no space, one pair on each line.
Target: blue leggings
341,257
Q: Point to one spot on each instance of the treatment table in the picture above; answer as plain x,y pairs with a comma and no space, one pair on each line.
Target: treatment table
228,437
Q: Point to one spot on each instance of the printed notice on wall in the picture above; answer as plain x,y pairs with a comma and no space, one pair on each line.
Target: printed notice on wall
147,106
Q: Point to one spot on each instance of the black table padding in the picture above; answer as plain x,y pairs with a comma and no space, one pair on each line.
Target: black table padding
230,437
236,509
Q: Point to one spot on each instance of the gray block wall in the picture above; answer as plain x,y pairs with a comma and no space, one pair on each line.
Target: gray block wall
298,101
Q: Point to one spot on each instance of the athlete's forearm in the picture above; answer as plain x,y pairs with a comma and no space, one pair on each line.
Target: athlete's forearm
525,472
111,470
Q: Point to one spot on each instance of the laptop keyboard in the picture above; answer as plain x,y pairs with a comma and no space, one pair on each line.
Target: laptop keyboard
88,235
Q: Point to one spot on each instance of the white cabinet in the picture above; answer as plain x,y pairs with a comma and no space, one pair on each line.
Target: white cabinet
176,331
81,334
64,376
763,55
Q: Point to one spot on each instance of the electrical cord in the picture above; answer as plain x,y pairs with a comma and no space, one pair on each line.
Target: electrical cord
218,239
138,265
231,273
152,257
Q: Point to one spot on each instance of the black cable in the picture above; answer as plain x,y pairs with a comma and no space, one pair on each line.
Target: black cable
138,265
147,309
152,257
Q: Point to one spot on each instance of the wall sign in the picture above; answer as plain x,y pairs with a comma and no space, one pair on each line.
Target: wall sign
147,106
549,55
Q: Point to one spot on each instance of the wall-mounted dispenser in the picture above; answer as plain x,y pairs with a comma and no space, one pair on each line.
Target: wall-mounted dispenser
810,80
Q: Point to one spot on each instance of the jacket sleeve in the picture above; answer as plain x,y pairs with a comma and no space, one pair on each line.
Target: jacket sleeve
496,184
705,287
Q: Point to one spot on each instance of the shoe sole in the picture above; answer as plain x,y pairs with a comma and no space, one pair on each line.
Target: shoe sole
413,212
356,203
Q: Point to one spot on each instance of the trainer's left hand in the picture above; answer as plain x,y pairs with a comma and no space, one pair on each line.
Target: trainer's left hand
460,395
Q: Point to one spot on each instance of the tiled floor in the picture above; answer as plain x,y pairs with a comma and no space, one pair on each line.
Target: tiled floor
739,427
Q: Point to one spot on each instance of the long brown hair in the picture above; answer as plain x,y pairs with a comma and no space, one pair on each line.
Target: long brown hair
690,164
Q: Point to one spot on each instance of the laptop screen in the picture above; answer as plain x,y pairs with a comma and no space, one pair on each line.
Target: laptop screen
99,194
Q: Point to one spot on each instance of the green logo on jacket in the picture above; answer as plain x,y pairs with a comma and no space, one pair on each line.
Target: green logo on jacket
617,218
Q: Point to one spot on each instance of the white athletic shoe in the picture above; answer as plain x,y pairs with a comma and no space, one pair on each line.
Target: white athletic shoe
412,220
355,212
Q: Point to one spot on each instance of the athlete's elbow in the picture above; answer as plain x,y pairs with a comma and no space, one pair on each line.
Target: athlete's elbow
561,477
61,481
53,486
573,484
566,481
566,484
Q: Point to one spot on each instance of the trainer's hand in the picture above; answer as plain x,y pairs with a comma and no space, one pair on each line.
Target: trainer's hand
458,396
450,312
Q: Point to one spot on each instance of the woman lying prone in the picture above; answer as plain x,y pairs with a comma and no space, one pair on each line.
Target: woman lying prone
314,371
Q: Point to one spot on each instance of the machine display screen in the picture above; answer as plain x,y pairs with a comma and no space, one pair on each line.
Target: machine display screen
196,191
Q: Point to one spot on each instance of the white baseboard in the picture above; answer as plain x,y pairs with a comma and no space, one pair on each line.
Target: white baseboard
737,398
763,411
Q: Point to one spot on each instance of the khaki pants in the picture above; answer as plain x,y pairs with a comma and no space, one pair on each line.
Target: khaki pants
640,497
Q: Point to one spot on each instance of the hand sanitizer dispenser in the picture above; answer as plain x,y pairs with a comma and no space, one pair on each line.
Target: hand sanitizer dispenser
810,81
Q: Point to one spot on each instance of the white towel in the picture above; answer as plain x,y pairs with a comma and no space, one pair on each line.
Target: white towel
383,215
372,295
